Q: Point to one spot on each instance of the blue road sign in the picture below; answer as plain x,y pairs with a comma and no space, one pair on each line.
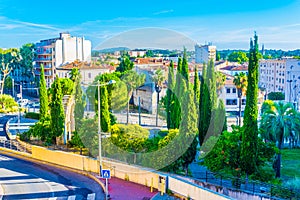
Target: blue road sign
105,173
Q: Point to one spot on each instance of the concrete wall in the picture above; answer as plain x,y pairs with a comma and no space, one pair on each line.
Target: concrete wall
124,171
192,190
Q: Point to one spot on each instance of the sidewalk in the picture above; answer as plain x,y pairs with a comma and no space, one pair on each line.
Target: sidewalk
119,189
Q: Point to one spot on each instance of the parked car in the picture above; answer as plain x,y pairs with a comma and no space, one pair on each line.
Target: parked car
22,102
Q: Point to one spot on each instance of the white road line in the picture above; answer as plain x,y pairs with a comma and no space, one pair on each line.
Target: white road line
91,196
72,197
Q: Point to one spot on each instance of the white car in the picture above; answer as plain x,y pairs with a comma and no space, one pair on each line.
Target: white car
22,102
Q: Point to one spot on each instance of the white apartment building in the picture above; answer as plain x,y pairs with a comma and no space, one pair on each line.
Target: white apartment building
55,52
272,75
292,91
281,75
204,53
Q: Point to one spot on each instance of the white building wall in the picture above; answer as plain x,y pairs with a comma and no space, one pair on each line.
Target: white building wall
58,54
292,87
87,50
205,53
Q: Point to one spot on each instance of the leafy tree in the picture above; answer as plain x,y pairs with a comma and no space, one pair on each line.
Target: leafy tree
9,59
44,109
223,153
149,53
88,135
238,56
67,86
279,122
250,134
7,104
74,74
132,81
125,65
276,96
8,83
106,77
170,96
56,111
240,82
27,54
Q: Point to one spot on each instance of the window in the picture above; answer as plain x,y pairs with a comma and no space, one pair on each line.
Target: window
228,90
231,102
89,75
233,90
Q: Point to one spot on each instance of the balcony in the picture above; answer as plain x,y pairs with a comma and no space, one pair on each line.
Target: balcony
48,66
48,59
44,52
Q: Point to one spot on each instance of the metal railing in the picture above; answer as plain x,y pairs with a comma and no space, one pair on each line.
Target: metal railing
15,145
249,186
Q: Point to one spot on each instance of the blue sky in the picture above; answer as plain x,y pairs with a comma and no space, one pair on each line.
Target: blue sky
225,23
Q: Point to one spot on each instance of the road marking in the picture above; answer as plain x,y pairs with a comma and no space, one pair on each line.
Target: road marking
72,197
91,196
53,198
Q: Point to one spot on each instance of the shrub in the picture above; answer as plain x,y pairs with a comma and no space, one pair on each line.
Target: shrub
32,115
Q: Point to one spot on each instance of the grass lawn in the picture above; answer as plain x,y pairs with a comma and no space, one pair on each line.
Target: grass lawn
291,163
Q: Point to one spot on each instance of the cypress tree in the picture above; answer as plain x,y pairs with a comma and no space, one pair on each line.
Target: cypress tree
44,109
196,88
176,114
204,107
105,116
250,133
185,68
170,96
57,111
188,129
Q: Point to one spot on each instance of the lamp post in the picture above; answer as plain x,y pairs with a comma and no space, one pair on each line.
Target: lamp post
99,122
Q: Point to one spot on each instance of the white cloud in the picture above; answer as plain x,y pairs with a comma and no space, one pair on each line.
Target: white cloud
163,12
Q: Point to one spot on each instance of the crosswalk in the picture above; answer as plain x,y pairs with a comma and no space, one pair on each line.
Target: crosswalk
73,197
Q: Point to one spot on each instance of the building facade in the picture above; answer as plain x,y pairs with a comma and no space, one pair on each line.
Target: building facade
272,75
204,53
55,52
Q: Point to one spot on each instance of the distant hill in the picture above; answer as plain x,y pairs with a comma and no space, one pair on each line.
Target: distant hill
111,50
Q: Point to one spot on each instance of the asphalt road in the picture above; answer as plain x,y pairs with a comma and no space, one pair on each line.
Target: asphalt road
24,180
3,121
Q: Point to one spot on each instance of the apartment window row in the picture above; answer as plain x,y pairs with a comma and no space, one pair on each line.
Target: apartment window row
234,102
230,90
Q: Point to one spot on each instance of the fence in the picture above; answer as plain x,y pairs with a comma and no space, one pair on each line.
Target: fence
15,145
249,186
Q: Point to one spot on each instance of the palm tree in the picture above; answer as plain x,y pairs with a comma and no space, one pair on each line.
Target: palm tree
220,81
158,79
132,80
278,122
240,81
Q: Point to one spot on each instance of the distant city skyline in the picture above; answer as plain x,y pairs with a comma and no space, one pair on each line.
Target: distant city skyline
227,24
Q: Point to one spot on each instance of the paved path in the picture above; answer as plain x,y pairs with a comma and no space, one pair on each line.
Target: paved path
124,190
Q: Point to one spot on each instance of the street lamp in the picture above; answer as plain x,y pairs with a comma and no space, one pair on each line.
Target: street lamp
99,121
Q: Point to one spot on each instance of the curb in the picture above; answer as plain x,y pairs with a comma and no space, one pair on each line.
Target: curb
27,157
